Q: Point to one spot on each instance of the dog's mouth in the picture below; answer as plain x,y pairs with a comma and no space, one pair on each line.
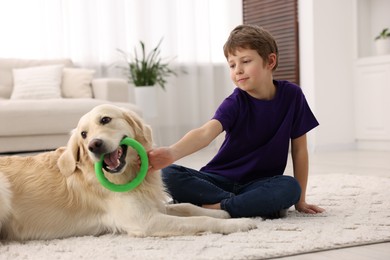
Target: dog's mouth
115,161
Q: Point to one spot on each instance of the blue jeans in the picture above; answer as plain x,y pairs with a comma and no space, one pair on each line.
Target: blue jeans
263,197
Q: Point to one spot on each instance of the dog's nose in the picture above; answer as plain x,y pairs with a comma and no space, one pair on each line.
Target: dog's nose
96,146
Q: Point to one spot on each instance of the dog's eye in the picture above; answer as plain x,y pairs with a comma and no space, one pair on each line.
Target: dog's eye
105,120
84,134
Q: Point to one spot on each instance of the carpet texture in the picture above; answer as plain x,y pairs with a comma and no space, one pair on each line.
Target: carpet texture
357,213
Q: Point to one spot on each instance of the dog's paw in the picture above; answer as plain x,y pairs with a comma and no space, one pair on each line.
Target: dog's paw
239,225
247,224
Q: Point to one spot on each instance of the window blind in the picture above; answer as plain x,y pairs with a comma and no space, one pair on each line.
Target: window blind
280,18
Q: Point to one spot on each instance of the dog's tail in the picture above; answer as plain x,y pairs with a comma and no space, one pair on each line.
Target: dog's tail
5,198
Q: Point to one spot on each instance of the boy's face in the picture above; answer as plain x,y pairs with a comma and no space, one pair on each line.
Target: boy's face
248,70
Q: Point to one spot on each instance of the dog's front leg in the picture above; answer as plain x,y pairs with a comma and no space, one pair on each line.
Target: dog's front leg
187,209
166,225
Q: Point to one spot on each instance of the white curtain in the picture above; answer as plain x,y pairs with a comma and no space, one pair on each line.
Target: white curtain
90,31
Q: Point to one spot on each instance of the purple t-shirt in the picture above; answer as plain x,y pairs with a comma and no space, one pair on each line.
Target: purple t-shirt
258,132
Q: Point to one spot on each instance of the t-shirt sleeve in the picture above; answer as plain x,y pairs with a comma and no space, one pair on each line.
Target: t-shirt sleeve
304,119
227,112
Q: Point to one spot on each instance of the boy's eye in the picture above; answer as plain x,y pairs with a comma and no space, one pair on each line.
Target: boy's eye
232,66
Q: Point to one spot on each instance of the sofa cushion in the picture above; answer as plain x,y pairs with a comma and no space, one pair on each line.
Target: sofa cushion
76,83
7,65
46,116
37,82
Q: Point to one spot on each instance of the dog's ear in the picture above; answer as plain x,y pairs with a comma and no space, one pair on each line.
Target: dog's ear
67,161
146,136
143,132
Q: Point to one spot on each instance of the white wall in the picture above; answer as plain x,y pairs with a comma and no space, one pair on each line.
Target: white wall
326,59
190,102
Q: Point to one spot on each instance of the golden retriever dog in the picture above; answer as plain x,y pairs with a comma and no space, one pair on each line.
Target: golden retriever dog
56,194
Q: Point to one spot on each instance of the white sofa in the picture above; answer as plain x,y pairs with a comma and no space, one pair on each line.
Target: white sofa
44,123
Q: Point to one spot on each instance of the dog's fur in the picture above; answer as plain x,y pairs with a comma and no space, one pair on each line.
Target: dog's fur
56,194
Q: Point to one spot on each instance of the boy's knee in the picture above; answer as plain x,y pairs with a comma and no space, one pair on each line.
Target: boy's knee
167,172
288,188
294,188
172,174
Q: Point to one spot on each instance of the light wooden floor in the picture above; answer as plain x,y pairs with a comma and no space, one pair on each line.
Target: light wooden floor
371,163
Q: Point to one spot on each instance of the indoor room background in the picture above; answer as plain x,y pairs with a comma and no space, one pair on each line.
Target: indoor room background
335,41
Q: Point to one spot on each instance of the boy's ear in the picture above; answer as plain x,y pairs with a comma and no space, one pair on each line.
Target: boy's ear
272,60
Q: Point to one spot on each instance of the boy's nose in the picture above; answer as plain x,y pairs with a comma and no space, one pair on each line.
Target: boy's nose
239,70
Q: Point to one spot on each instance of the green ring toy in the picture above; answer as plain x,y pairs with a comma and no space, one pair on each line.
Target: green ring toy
137,180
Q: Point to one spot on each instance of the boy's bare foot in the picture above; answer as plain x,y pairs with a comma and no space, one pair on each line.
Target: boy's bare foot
212,206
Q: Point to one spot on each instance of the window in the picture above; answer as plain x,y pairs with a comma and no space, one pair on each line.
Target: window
280,18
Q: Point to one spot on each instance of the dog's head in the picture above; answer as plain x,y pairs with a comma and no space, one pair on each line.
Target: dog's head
99,132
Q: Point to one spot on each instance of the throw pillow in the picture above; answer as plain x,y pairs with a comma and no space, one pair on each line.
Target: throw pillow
76,83
37,82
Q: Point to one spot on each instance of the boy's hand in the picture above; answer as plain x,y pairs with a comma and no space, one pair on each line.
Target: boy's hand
308,208
160,158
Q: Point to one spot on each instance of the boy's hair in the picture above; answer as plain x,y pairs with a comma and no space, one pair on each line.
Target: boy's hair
253,37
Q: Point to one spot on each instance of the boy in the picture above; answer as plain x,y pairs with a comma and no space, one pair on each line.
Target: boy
260,117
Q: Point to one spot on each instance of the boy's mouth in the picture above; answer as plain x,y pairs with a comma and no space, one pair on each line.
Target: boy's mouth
241,80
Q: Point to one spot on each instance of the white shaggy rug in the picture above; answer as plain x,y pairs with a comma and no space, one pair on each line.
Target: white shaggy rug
358,212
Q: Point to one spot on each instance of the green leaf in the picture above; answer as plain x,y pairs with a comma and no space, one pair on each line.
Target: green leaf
149,69
384,34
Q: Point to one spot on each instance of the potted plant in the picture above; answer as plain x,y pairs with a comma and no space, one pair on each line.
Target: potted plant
382,42
145,71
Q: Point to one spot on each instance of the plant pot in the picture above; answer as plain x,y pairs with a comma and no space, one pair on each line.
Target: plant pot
146,100
382,46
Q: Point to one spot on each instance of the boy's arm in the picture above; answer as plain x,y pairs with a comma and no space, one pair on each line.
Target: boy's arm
300,160
193,141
